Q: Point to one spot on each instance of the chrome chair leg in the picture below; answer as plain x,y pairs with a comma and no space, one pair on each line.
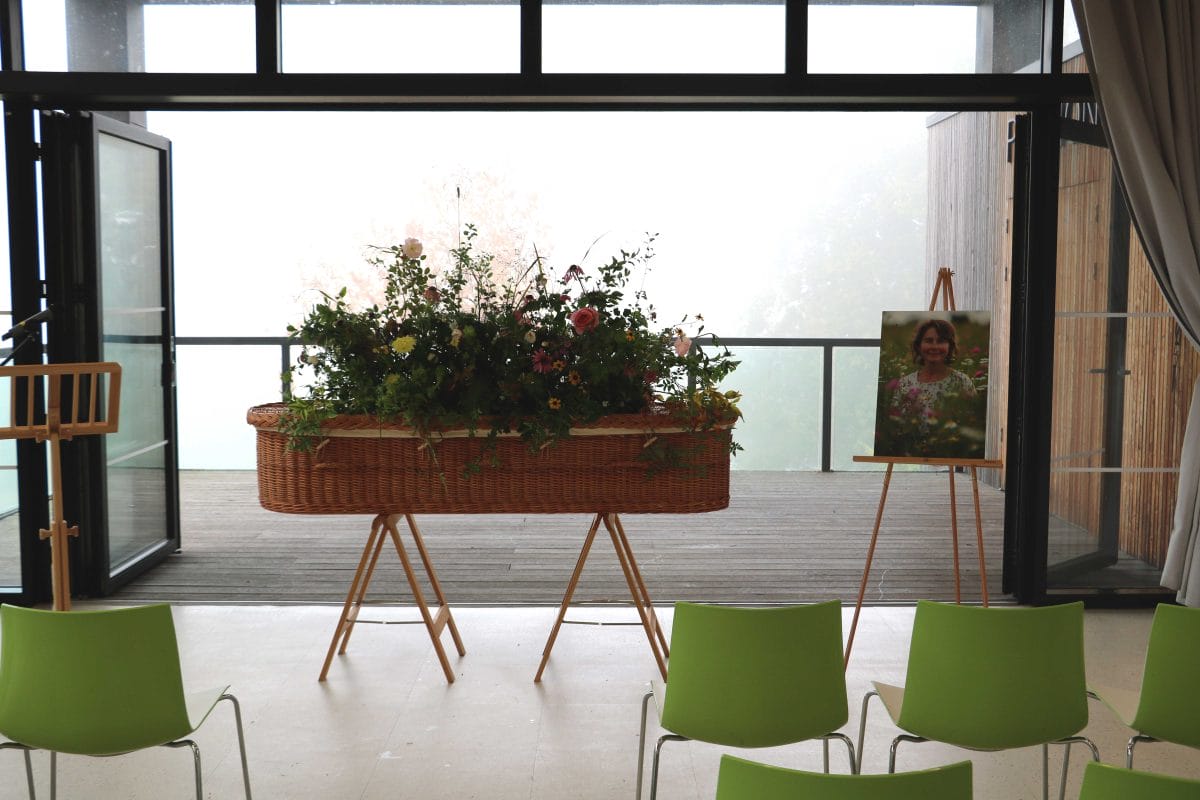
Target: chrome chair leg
1067,742
904,737
642,744
25,750
1133,740
669,737
195,763
862,728
825,753
53,775
849,749
237,718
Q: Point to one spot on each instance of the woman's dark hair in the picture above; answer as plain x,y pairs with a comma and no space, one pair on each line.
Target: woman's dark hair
945,332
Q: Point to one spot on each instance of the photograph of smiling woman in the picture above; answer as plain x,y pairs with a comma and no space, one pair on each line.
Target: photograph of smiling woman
933,373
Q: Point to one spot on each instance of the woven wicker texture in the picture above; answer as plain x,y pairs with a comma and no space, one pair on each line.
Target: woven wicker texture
364,467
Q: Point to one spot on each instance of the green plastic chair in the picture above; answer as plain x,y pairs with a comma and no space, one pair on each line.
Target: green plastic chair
1106,782
991,679
751,677
99,683
747,780
1167,709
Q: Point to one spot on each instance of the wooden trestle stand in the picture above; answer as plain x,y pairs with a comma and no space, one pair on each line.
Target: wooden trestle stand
945,288
94,406
385,526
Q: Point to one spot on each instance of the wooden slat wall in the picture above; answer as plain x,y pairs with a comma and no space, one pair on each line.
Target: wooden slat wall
1163,367
1079,342
969,200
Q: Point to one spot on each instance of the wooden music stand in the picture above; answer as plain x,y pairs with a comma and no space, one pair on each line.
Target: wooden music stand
945,287
92,410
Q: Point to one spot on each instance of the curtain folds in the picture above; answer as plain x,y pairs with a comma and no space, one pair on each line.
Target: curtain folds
1145,61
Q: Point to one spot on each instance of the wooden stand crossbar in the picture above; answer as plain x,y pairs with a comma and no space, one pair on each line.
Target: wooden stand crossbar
637,590
382,528
93,393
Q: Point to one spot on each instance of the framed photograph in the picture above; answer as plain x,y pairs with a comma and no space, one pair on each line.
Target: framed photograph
933,380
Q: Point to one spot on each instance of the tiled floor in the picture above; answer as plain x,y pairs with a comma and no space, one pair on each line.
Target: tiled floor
386,725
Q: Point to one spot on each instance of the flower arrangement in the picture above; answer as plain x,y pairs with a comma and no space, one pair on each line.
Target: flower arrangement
534,355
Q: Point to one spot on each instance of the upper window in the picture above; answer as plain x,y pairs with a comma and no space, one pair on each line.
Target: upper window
883,37
139,35
401,36
739,36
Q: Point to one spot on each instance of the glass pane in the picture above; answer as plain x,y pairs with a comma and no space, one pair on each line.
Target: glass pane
797,226
737,37
383,36
855,377
781,406
131,304
10,518
139,35
1073,59
213,433
865,37
1120,396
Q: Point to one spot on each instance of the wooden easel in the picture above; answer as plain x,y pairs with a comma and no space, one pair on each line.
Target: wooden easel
94,409
945,287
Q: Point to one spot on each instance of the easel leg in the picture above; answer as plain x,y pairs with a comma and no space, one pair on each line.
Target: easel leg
954,536
862,589
562,610
353,594
637,590
434,626
979,535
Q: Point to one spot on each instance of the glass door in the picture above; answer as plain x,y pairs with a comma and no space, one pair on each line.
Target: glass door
111,273
1119,390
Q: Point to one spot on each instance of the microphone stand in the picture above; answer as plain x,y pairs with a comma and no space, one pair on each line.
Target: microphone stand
30,336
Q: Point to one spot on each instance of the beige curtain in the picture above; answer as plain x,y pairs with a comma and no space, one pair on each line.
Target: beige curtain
1144,61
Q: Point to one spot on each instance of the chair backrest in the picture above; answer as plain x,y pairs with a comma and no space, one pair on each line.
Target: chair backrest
995,678
755,677
1169,706
746,780
1106,782
90,682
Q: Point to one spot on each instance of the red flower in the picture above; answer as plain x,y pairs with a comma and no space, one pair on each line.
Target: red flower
585,319
433,295
574,271
542,362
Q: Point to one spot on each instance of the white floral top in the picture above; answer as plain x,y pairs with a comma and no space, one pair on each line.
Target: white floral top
912,393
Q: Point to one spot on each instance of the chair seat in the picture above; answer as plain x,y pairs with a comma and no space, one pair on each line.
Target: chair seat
201,702
892,697
1123,702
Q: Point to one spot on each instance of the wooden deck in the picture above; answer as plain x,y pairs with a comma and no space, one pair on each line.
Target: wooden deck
787,537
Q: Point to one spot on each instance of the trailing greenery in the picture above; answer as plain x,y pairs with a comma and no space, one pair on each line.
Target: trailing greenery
534,355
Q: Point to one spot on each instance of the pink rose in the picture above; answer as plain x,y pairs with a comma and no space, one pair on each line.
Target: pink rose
585,319
682,345
892,384
432,295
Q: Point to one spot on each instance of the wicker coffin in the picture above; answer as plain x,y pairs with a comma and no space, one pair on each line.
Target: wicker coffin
365,467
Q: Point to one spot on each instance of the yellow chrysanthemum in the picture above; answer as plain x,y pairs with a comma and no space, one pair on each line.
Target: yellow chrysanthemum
555,404
575,378
404,344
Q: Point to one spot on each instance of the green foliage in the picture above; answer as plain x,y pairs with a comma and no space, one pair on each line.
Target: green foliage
535,355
